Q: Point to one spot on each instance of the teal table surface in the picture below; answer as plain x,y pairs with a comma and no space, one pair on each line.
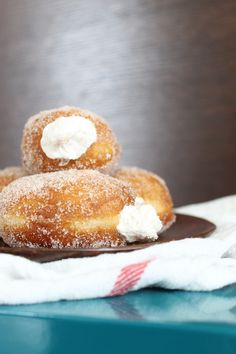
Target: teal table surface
148,321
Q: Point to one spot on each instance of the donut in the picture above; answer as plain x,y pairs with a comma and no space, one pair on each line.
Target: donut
152,189
68,138
9,174
74,209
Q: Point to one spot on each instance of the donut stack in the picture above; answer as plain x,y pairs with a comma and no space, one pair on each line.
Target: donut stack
70,191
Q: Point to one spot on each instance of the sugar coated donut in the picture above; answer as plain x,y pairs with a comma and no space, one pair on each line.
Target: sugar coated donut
152,189
74,208
9,174
68,138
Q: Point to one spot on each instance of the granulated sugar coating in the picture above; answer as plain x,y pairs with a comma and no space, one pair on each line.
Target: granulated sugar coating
102,154
64,209
152,189
9,174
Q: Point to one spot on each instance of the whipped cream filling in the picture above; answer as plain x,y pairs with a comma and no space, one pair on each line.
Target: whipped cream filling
68,137
139,222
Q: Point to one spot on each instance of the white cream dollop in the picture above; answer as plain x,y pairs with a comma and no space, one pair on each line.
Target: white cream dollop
139,222
68,137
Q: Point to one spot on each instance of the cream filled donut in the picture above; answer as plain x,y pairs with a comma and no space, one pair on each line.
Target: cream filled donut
152,189
74,208
68,138
9,174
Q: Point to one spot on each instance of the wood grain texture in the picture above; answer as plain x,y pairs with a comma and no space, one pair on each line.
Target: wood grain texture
163,73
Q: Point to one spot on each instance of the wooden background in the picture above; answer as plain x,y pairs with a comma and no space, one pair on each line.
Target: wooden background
162,72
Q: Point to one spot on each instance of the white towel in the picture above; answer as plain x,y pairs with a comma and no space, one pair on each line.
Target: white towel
190,264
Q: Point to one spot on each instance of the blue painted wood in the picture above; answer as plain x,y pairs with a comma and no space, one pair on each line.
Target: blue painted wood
148,321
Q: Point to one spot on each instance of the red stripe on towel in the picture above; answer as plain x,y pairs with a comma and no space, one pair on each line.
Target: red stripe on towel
128,278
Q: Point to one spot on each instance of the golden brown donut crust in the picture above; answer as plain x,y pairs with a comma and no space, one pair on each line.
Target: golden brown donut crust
151,188
100,155
64,209
9,174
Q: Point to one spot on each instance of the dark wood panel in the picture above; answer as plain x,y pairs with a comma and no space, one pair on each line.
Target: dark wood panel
163,73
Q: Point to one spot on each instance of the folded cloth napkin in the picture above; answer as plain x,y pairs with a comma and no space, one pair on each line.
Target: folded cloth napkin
190,264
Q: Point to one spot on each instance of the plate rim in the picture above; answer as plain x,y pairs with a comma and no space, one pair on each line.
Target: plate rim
127,248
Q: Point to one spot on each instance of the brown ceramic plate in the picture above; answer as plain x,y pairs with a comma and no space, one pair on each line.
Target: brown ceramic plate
184,227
